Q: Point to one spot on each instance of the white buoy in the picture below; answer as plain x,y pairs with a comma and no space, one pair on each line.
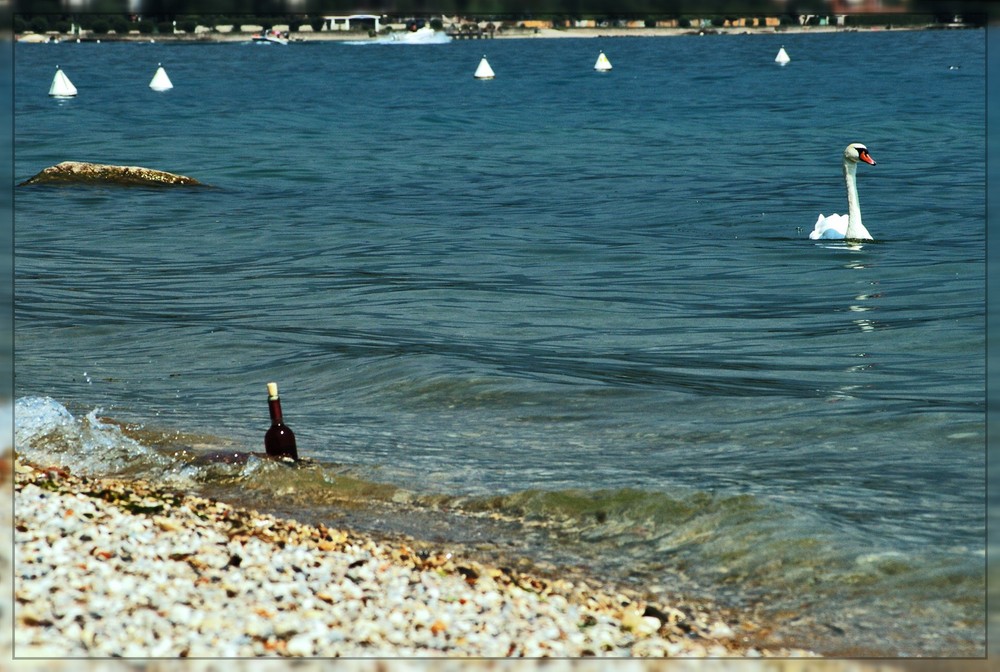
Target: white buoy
160,81
602,64
484,71
782,57
61,86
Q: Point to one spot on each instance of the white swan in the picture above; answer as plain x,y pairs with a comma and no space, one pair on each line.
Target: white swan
847,226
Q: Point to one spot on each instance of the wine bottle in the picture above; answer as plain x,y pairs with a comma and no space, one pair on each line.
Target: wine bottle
279,441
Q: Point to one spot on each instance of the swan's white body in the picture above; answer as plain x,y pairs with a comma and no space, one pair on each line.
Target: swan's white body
847,226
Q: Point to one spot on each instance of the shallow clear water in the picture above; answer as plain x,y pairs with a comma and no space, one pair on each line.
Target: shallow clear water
585,299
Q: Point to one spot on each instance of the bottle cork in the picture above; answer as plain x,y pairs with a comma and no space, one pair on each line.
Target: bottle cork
272,390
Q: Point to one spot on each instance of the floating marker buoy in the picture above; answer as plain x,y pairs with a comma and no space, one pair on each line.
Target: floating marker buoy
160,81
782,57
61,86
602,64
484,71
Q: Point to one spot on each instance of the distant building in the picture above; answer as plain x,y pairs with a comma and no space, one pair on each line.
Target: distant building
354,22
754,22
869,6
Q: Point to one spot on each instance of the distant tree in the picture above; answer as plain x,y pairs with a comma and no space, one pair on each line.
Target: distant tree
209,21
146,27
165,27
119,24
39,24
187,25
20,25
317,23
100,26
63,26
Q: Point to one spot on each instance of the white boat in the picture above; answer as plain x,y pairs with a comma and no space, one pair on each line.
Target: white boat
61,86
269,37
422,35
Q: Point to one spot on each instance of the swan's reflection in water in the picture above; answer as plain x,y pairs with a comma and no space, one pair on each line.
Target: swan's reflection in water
861,308
864,324
850,245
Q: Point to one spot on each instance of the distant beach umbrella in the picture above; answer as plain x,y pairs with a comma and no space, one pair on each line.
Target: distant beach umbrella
160,81
61,86
484,71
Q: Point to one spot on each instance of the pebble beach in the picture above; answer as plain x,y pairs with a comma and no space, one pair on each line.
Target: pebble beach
105,569
111,568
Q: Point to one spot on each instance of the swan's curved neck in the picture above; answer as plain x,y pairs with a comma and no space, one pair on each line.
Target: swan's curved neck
855,229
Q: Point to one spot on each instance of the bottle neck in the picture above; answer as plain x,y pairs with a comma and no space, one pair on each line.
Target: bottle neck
274,406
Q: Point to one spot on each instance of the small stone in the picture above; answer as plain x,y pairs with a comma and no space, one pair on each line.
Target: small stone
300,645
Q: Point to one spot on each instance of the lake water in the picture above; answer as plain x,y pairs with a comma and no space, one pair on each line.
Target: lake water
562,314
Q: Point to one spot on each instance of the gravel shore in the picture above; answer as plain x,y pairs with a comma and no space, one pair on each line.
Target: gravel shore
114,568
103,522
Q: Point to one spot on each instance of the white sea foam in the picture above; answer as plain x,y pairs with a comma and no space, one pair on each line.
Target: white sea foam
6,424
37,416
422,36
45,431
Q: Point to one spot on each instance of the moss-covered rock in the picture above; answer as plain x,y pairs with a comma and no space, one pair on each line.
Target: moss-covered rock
77,172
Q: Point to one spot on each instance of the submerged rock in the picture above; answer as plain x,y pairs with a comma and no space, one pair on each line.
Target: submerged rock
78,172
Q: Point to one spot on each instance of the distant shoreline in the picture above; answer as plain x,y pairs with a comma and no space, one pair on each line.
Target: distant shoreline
506,34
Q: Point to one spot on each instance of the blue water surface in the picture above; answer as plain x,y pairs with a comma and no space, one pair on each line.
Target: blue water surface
555,281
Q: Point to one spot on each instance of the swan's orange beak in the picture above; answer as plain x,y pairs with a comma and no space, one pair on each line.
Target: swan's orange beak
866,157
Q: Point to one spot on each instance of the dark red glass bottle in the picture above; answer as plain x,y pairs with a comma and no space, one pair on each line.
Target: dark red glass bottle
279,441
